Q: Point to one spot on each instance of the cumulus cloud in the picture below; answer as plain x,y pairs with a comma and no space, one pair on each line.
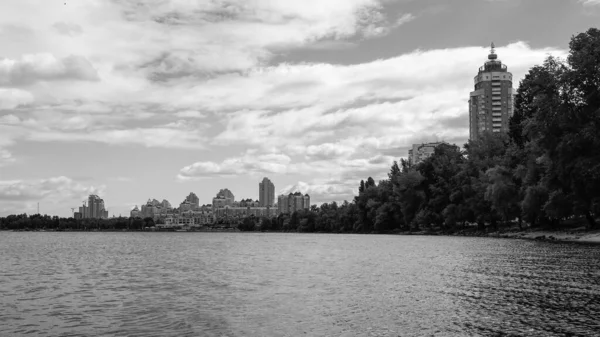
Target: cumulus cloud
12,98
67,28
18,196
590,2
190,114
324,192
249,163
5,157
45,67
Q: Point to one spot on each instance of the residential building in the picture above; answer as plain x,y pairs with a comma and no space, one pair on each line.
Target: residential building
420,152
135,212
491,104
266,193
237,213
94,209
293,202
282,204
154,209
223,198
191,201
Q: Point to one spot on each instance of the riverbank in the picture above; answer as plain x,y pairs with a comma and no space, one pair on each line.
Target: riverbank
578,234
560,236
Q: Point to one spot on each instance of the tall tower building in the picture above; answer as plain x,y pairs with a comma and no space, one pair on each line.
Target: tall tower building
491,104
266,193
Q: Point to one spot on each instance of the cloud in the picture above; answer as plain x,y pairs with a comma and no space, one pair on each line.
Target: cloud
190,114
31,68
249,163
6,157
98,128
66,28
19,196
328,151
321,192
12,98
590,2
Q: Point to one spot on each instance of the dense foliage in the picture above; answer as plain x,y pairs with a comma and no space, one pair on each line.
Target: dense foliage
38,222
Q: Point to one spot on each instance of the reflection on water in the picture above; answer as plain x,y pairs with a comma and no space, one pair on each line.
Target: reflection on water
239,284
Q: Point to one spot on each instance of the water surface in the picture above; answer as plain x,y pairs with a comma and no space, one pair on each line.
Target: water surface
240,284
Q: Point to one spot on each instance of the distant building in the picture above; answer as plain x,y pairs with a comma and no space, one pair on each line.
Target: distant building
165,204
492,103
135,212
191,219
191,201
223,198
293,202
237,213
155,209
266,193
94,209
420,152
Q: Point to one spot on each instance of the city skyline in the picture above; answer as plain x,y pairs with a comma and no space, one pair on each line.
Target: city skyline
98,99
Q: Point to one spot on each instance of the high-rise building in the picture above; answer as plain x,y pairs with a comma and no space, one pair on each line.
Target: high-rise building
491,104
283,204
94,209
266,193
135,212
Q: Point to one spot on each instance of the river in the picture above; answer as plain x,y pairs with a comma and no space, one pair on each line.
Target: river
276,284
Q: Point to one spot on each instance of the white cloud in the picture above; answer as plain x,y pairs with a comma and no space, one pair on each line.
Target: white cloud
249,163
319,193
12,98
190,114
45,67
19,196
590,2
6,157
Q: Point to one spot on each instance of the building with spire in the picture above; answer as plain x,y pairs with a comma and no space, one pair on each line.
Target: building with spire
491,104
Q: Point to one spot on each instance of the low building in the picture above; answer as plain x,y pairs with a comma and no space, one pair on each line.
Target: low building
420,152
236,213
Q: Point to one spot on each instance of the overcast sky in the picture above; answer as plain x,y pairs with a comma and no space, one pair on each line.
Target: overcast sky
155,100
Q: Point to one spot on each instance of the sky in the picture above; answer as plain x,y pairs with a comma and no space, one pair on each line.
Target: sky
134,100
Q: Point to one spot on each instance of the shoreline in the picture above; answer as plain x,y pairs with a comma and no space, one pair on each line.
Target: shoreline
546,235
565,235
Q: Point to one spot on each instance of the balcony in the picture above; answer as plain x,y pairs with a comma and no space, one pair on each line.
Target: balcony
496,84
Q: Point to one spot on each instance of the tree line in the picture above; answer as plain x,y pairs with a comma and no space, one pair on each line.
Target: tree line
46,222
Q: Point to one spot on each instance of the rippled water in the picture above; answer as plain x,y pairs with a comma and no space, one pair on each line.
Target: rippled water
239,284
